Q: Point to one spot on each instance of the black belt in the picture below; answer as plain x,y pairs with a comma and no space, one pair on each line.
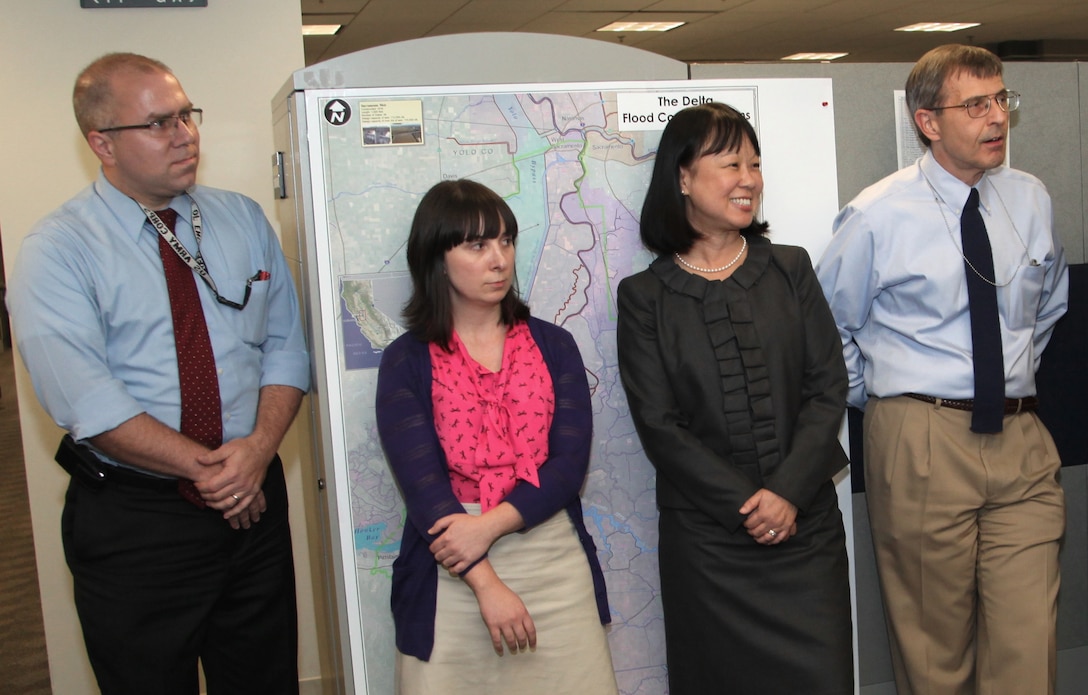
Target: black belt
124,476
82,463
1012,405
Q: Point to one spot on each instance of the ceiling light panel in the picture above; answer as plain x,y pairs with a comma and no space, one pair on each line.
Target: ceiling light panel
320,29
641,26
939,26
815,56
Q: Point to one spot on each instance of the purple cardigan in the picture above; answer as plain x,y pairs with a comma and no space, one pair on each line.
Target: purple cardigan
406,426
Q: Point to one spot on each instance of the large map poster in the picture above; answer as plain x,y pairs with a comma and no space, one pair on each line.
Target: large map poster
573,161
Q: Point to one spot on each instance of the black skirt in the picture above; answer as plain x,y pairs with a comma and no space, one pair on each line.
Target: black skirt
747,619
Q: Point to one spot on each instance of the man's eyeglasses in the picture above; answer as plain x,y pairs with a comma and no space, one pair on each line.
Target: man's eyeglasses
166,126
977,107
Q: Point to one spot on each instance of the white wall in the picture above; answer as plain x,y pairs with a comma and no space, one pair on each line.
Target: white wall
231,57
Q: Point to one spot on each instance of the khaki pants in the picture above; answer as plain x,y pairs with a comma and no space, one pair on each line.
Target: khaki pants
966,530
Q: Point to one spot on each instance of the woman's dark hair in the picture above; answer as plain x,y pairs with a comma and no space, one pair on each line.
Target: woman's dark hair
690,134
450,213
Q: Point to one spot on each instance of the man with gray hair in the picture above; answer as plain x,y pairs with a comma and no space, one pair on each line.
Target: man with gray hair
159,323
946,280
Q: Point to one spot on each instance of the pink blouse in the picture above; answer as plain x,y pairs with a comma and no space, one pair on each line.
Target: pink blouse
493,426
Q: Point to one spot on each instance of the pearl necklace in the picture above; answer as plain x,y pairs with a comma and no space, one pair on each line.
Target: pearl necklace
710,271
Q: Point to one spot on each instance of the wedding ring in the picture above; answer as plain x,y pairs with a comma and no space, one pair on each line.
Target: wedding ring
236,498
772,533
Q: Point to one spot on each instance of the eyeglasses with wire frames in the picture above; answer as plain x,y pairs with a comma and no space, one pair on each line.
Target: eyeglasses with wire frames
977,107
166,126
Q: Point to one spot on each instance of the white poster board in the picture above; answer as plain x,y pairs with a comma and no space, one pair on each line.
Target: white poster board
573,161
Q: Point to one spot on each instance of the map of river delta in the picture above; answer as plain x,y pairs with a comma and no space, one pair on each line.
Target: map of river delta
575,178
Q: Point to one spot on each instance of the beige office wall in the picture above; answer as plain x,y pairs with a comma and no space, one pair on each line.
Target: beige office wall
231,57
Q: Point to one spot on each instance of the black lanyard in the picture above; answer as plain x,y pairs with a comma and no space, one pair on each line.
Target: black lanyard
197,262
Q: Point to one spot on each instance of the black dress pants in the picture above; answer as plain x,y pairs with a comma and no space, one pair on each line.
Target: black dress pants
160,584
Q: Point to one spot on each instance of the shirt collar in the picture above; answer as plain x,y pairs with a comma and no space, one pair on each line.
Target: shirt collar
951,190
127,211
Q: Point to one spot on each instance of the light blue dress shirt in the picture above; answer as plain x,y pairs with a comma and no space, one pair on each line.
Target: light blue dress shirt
894,277
91,313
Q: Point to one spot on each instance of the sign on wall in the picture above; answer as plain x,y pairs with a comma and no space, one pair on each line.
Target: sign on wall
120,4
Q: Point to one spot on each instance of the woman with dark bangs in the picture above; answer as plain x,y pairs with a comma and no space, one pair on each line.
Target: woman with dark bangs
734,373
484,414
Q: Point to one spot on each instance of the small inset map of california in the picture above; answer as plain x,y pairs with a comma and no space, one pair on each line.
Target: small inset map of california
369,306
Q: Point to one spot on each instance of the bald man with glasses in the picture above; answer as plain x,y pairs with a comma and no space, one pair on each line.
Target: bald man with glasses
946,280
159,323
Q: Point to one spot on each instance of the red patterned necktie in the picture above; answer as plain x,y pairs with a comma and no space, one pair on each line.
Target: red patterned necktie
201,408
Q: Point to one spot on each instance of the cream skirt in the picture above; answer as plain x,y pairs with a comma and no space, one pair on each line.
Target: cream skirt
545,566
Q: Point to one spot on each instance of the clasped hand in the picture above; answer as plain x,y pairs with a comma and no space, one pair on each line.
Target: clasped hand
772,519
234,487
462,540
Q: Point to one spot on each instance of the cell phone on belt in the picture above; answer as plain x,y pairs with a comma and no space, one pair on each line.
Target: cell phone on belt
80,462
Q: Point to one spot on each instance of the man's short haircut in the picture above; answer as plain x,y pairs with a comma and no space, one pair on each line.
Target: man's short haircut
92,97
925,85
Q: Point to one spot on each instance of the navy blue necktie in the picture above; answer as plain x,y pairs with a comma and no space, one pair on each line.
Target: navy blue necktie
978,259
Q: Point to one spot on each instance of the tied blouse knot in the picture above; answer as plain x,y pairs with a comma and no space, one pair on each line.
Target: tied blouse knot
493,425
